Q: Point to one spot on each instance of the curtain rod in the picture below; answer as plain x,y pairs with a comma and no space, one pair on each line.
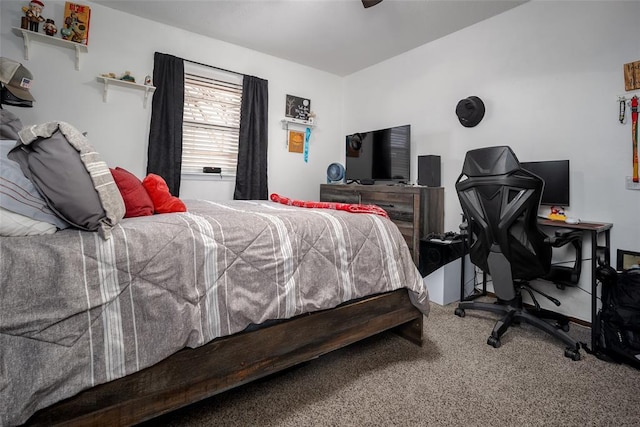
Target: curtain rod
217,68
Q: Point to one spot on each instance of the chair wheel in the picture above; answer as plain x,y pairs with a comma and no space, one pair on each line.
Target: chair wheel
494,342
459,312
572,354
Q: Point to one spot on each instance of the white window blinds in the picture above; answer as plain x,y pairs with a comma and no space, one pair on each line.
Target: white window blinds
211,124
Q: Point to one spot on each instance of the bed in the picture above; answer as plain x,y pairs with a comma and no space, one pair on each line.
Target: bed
177,307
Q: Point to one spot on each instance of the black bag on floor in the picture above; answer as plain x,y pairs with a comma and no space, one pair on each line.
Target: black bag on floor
618,321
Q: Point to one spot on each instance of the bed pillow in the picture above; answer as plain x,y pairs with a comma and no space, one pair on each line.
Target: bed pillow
70,175
136,199
16,225
19,195
163,201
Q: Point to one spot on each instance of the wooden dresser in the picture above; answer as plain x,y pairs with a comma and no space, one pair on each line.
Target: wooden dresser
416,210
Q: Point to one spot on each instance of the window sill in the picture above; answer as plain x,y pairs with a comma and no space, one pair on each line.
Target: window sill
207,177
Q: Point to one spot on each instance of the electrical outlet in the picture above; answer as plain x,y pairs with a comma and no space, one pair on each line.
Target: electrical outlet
630,185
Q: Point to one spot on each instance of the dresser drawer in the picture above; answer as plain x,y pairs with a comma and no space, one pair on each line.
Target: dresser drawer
415,210
334,195
399,207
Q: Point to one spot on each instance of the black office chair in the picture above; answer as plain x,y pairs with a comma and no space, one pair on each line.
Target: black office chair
500,202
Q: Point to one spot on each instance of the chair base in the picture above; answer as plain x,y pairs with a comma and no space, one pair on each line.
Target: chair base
514,312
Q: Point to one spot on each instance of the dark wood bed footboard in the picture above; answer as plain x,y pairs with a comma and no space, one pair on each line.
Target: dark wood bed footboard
195,374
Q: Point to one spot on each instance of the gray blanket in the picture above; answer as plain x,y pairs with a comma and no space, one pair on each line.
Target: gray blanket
77,310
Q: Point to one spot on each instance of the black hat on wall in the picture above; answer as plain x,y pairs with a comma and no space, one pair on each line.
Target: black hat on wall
470,111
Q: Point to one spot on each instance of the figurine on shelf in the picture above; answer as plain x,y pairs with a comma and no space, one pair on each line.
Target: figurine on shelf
33,14
311,117
109,75
127,77
147,81
50,28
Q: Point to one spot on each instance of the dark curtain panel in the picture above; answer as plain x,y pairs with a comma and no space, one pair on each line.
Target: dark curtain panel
164,155
251,176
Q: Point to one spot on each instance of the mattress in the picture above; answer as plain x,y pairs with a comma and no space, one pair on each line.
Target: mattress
77,310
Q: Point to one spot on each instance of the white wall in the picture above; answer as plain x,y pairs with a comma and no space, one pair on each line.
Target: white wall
119,128
549,74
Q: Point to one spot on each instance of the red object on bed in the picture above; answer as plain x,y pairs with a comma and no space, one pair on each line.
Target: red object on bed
136,199
349,207
163,201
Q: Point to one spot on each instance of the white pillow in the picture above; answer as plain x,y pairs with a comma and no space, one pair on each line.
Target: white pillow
16,225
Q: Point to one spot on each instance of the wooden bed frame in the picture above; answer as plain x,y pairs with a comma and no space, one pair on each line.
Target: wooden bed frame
195,374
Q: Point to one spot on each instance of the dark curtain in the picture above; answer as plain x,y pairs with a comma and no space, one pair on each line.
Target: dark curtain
164,155
251,175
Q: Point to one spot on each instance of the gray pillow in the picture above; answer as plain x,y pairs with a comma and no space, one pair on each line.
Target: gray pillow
70,175
19,195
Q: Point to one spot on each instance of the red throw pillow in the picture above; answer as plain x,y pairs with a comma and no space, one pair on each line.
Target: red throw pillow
163,201
136,200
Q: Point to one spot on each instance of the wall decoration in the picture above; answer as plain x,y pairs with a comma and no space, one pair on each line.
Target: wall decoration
632,76
296,141
75,26
297,107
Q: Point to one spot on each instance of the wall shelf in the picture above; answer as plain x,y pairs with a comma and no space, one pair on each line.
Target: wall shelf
286,122
627,96
109,81
29,35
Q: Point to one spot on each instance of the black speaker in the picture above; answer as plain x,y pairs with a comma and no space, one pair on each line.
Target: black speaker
429,171
434,255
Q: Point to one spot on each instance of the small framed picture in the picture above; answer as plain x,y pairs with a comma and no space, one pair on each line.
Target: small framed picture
297,107
296,141
627,260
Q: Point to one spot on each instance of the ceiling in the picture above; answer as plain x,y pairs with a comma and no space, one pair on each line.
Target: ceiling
337,36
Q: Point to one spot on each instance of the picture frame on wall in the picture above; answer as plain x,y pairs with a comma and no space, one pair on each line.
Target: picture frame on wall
296,141
297,107
627,259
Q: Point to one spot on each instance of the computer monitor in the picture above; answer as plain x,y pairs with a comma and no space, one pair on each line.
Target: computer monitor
555,174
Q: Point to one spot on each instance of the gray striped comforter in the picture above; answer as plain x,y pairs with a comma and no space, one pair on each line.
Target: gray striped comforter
77,310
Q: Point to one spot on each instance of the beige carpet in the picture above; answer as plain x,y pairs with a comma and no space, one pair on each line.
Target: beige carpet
454,379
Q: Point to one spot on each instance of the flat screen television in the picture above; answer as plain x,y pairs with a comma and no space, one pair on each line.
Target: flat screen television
555,174
379,155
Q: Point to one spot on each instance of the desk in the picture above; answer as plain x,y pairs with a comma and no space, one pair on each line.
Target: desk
595,230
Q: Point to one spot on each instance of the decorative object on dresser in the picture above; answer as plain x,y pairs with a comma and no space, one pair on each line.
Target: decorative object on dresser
416,210
429,170
335,173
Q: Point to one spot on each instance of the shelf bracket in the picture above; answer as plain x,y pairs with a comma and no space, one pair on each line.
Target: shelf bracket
27,44
77,48
105,90
146,96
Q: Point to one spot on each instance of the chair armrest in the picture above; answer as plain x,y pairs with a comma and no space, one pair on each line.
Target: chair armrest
564,236
564,275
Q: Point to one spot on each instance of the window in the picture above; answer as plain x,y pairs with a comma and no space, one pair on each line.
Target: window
211,121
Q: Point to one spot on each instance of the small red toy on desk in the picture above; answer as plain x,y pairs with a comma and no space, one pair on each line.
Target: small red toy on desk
557,214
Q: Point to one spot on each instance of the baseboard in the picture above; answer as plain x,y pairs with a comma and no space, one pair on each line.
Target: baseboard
530,306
